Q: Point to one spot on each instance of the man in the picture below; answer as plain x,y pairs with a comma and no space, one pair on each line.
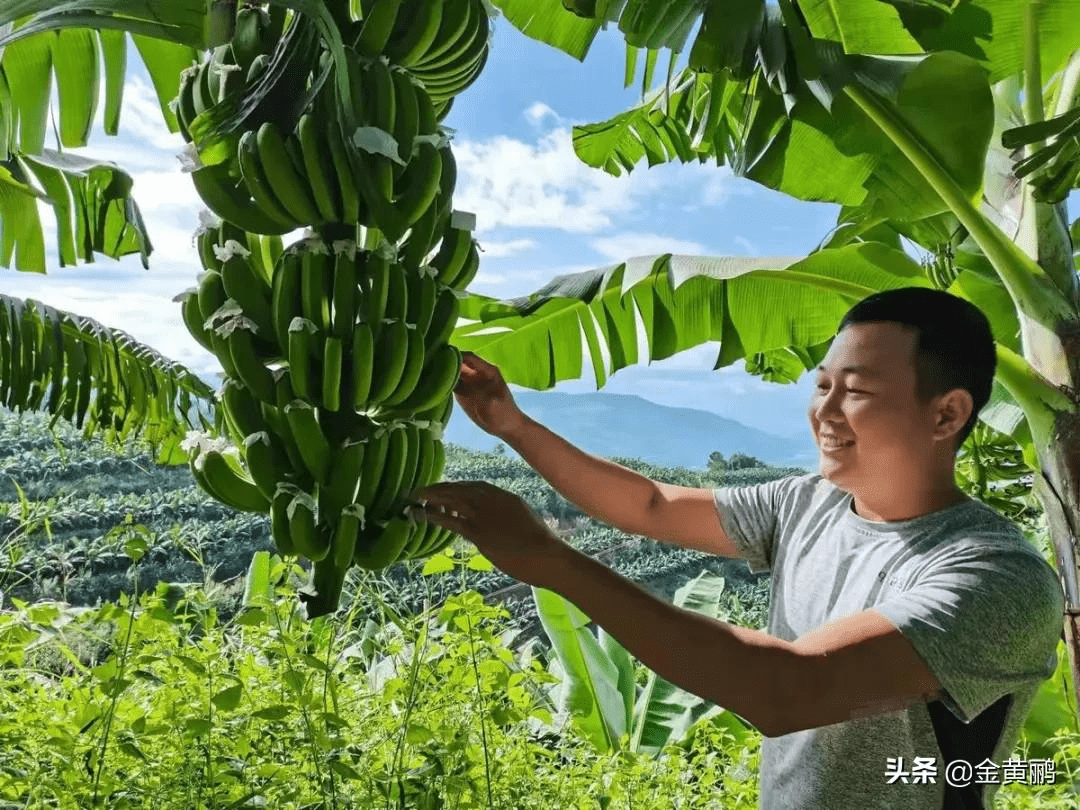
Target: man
910,626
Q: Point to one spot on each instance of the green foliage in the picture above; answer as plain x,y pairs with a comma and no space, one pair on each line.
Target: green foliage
157,702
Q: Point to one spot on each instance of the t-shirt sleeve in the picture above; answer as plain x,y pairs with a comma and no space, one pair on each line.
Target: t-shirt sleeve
751,517
986,623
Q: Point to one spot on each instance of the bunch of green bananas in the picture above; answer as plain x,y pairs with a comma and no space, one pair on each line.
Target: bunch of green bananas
443,43
941,270
339,371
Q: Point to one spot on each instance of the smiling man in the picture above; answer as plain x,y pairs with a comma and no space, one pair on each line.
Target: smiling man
910,626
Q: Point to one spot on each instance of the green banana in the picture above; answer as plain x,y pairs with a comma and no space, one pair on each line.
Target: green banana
457,50
422,300
455,27
377,26
393,471
261,265
425,461
215,475
242,410
185,102
327,581
206,242
314,448
468,269
319,174
244,285
391,353
444,318
284,299
376,553
410,373
421,180
421,236
222,196
257,68
253,373
437,380
343,546
306,535
350,194
331,376
397,294
279,522
288,187
406,118
375,284
193,320
452,254
376,449
441,539
300,350
316,285
438,462
362,361
264,462
258,184
418,536
426,124
409,43
344,483
382,92
211,296
346,292
275,417
247,34
203,92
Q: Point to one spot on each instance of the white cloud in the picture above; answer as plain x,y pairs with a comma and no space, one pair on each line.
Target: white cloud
538,111
622,246
500,250
508,182
747,245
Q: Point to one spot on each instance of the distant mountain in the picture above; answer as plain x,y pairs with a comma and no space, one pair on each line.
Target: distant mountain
606,424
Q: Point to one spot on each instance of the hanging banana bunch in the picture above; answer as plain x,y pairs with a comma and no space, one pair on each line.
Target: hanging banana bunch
339,375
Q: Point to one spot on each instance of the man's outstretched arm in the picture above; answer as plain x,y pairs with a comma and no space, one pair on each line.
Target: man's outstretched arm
852,667
856,666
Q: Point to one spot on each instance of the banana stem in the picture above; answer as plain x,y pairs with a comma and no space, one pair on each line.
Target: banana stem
1038,397
1026,281
1033,99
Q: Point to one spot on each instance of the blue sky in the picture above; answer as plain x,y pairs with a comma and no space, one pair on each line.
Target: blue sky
540,213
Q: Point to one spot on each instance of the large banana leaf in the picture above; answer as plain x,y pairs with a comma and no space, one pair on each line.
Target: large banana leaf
91,200
598,688
992,31
779,314
45,352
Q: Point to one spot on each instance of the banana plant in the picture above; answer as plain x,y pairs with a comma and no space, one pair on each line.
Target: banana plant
97,377
597,689
960,142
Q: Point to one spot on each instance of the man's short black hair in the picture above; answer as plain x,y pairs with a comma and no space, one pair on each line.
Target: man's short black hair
954,347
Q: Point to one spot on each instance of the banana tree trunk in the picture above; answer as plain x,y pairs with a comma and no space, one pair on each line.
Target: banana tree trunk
1057,486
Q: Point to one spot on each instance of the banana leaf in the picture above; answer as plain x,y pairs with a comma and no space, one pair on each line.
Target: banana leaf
598,689
97,378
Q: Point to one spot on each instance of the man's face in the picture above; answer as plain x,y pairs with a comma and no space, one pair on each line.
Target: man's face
874,412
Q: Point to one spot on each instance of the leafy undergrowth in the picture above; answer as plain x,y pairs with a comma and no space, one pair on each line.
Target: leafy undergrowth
156,703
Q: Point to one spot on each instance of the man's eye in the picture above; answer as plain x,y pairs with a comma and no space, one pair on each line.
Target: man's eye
850,390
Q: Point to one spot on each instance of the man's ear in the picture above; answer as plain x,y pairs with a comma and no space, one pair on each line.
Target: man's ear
953,411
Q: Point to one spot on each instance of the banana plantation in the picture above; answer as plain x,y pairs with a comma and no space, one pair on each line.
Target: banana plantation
335,296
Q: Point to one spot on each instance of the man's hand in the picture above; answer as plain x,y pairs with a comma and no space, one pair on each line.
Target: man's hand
485,397
500,523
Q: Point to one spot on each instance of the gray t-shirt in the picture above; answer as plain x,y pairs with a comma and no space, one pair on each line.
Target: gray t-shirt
976,600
